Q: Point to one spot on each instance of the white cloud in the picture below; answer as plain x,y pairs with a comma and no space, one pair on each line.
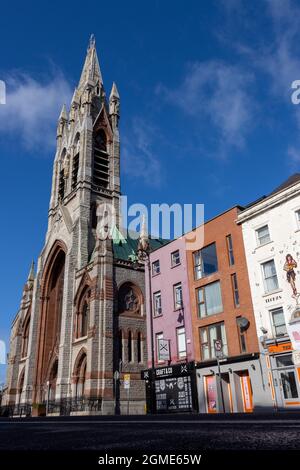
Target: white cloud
139,157
32,109
219,92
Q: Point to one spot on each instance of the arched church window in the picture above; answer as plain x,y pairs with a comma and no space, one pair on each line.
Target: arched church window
101,161
129,347
25,338
129,299
21,384
139,347
120,346
82,316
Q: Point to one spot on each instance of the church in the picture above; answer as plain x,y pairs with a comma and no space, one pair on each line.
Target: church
81,325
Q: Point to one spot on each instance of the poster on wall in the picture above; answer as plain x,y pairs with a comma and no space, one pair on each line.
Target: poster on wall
293,330
173,394
211,393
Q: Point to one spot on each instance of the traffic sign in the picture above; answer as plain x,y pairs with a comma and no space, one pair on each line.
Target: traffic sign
126,381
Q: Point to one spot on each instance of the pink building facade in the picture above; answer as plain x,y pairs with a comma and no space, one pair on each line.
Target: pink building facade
170,304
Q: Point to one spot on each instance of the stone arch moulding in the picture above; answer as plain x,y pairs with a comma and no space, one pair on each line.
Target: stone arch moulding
50,313
137,293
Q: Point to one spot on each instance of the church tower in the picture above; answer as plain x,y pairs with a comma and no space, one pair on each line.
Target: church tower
81,325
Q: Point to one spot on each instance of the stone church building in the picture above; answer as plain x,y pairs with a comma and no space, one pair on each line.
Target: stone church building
81,324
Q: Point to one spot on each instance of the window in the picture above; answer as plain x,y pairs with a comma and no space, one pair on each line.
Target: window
61,185
235,290
209,300
82,316
278,322
297,214
205,261
139,347
181,342
177,296
120,346
157,304
270,276
208,335
230,249
129,347
155,268
175,258
242,335
129,299
262,235
75,171
284,360
101,161
158,337
25,338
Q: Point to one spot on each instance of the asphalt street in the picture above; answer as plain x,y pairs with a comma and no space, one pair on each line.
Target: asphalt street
167,433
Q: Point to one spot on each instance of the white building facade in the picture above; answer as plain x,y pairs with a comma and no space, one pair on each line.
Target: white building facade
271,232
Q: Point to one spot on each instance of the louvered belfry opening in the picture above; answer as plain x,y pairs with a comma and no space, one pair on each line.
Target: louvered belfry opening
61,187
75,171
101,161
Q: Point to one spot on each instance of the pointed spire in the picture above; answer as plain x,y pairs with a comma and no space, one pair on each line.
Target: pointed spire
63,114
114,102
31,275
143,239
75,98
91,72
114,92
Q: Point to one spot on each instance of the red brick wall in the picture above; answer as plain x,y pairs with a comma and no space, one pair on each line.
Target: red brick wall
216,231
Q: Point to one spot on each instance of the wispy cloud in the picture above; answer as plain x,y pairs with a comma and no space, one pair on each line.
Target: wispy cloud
218,92
32,108
140,159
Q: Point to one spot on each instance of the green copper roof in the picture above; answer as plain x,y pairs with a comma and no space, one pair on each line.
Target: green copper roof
125,247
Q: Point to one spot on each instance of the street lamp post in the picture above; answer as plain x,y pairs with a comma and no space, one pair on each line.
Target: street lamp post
143,256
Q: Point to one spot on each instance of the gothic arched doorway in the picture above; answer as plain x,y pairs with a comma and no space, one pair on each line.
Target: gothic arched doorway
50,323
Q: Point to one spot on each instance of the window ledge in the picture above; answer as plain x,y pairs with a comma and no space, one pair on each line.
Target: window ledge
156,274
157,316
175,265
276,291
263,244
78,340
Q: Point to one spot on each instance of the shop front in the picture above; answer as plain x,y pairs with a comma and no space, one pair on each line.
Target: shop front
174,389
285,375
239,387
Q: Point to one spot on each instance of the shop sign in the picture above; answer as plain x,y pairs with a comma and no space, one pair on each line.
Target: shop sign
279,348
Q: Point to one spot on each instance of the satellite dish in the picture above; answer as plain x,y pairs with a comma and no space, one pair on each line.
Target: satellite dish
243,323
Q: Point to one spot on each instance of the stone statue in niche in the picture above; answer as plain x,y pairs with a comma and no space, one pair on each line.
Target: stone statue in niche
289,266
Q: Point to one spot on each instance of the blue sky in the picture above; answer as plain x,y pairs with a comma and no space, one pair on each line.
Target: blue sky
206,111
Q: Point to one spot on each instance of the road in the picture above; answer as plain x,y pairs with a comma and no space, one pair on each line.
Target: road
152,434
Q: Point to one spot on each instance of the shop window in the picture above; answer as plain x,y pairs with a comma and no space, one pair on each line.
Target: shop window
208,335
230,249
269,276
289,384
205,261
278,322
209,300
